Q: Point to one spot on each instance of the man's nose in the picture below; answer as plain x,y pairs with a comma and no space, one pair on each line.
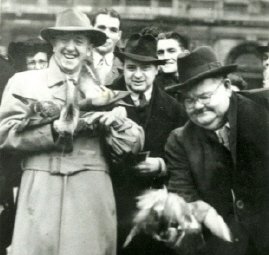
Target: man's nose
39,66
70,45
198,105
138,72
166,55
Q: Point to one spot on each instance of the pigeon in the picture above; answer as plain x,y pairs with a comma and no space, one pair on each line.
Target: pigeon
167,217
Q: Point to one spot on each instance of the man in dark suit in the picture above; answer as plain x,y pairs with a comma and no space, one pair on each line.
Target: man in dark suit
107,66
221,155
158,114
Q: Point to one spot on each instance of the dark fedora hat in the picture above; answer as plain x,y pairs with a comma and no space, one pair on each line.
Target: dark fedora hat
142,48
74,21
263,48
199,64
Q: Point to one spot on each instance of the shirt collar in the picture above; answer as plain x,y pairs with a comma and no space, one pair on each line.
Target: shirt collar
108,58
135,96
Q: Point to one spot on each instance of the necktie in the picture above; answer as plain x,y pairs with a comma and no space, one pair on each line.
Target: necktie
142,100
100,68
101,62
223,135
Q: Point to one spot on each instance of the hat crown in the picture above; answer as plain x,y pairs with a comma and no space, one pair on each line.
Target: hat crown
201,60
72,18
143,45
73,21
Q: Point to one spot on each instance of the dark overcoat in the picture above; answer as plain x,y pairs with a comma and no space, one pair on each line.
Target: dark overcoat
160,117
235,182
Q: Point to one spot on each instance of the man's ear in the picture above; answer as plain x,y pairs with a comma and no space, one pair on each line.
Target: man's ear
120,34
228,86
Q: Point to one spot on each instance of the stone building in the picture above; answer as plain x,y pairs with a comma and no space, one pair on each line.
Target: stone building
232,27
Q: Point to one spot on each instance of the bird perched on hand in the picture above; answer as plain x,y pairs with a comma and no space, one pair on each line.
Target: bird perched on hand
167,217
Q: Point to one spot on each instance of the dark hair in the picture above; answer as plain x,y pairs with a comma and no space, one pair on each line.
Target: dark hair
150,30
18,51
182,40
107,11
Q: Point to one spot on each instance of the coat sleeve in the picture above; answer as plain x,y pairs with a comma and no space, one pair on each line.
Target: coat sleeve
12,113
181,180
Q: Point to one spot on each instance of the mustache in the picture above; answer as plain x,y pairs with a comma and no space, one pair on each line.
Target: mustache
199,111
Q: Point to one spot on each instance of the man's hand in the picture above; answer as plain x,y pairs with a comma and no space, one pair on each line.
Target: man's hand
113,118
151,166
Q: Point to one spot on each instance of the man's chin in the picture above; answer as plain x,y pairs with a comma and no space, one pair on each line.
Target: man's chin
69,68
168,70
104,49
207,122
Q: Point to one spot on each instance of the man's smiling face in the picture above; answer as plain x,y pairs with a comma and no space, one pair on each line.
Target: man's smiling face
70,50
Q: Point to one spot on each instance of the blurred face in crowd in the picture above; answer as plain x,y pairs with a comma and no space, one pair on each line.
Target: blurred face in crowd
207,102
70,50
111,27
169,49
37,61
139,76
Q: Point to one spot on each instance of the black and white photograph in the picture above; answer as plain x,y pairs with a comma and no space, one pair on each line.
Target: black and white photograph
134,127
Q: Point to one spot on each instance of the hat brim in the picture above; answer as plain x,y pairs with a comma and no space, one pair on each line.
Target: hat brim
96,37
211,73
139,58
263,49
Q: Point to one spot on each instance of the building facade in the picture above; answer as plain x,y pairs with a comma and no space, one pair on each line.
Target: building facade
233,28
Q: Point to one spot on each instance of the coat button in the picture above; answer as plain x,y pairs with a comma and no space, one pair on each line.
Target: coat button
240,204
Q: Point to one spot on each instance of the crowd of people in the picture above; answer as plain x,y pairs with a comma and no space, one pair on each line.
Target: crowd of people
87,126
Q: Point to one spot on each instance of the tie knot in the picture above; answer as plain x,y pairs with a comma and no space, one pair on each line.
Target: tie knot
142,100
102,61
223,135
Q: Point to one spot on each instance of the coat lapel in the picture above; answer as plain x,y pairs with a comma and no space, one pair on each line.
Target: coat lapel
232,118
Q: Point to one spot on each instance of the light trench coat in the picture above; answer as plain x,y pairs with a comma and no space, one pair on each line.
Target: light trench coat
66,203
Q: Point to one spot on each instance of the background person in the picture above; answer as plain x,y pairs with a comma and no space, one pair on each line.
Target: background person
105,63
169,46
32,54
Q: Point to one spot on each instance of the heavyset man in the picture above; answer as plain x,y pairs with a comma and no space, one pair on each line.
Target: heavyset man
221,155
66,202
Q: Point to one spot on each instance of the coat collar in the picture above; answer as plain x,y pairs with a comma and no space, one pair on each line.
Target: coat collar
55,75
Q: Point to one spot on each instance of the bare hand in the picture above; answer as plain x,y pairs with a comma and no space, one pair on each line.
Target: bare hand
151,166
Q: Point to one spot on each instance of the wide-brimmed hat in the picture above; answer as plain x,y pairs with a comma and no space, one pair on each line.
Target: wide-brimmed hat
142,48
200,64
263,48
72,20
